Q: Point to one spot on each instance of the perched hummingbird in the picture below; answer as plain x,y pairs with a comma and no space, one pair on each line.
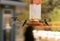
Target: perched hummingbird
46,22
